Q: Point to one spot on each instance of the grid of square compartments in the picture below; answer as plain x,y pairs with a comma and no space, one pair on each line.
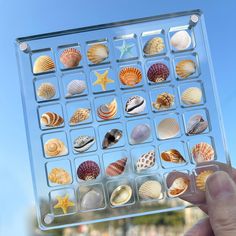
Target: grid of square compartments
107,107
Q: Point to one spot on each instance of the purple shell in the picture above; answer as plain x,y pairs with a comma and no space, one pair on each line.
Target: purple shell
88,170
158,72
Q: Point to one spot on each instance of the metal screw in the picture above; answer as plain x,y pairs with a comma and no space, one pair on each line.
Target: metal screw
48,219
24,47
193,20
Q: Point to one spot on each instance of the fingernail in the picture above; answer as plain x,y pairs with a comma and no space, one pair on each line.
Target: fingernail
220,185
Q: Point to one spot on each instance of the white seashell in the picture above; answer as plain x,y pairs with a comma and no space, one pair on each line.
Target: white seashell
150,189
135,105
192,96
181,40
76,87
98,53
178,187
121,195
146,161
168,128
46,91
83,143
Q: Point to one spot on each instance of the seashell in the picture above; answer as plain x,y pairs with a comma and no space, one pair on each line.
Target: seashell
75,87
202,178
154,46
51,119
185,68
98,53
196,125
80,115
164,101
150,189
146,161
116,168
192,96
181,40
42,64
130,76
70,57
83,143
173,155
135,105
178,187
140,133
168,128
59,176
111,138
88,170
158,72
203,152
55,147
46,91
107,111
93,199
121,195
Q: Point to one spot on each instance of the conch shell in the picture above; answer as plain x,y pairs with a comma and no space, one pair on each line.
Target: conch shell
107,111
80,115
116,168
172,155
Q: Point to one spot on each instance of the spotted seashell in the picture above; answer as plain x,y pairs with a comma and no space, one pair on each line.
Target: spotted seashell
181,40
55,147
150,189
196,125
97,53
70,57
146,161
164,101
59,176
83,143
192,96
154,46
158,72
75,87
202,178
203,152
116,168
43,64
135,105
46,91
185,68
168,128
179,187
80,115
130,76
93,199
173,156
140,133
88,170
107,111
121,195
111,138
51,119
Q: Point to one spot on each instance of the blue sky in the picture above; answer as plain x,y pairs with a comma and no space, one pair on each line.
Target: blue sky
22,18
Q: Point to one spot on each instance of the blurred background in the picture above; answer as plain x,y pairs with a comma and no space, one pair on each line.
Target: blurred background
23,18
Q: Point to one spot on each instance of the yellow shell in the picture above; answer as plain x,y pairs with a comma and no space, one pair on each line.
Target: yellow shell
46,91
80,115
154,46
150,189
59,176
130,76
55,147
178,187
51,119
97,53
192,96
202,178
168,128
121,195
43,64
185,68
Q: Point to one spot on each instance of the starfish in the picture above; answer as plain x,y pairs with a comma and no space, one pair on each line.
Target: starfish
103,79
125,49
64,203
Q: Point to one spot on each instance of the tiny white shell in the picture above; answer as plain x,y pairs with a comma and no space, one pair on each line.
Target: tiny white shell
168,128
191,96
150,189
75,87
135,105
181,40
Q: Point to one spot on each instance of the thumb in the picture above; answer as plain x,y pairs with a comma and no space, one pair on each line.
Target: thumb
221,201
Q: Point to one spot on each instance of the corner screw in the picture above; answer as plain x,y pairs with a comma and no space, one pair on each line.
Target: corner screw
24,47
193,20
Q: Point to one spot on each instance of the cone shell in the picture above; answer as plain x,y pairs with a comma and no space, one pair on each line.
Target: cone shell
88,170
154,46
173,156
130,76
164,101
51,119
140,133
202,178
121,195
59,176
158,72
83,143
178,187
116,168
185,68
55,147
135,105
146,161
75,87
70,57
181,40
150,189
107,111
196,125
192,96
168,128
43,64
97,53
111,138
80,115
203,152
46,91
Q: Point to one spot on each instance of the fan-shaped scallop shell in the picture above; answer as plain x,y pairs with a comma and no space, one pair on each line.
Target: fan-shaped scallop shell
98,53
191,96
196,125
75,87
51,119
185,68
130,76
140,133
59,176
178,187
107,111
116,168
135,105
154,46
93,199
146,161
80,115
111,138
150,189
181,40
46,91
202,178
164,101
70,57
55,147
203,152
88,170
43,64
168,128
158,72
121,195
83,143
172,155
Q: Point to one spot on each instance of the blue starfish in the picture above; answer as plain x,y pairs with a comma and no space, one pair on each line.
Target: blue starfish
125,49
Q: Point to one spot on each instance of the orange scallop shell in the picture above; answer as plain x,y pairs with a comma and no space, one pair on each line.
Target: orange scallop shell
202,178
130,76
70,57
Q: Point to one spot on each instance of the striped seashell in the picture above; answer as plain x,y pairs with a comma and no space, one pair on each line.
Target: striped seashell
146,161
107,111
83,143
70,57
168,128
185,68
55,147
51,119
158,72
181,40
46,91
80,115
88,170
179,187
203,152
173,155
202,178
75,87
43,64
154,46
130,76
116,168
192,96
135,105
150,189
97,53
59,176
121,195
164,101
